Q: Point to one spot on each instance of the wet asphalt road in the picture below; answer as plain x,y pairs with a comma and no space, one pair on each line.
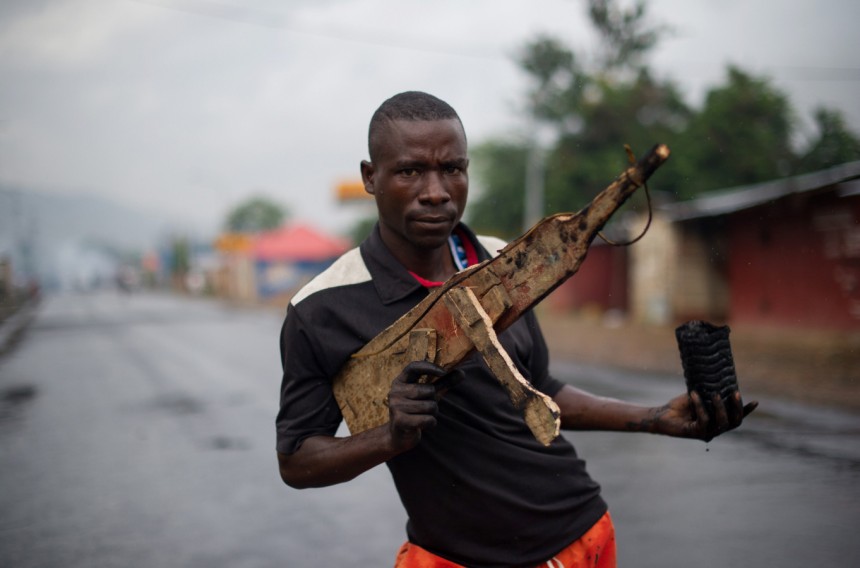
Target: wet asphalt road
137,431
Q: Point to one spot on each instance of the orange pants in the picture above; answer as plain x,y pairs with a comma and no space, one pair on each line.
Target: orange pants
596,549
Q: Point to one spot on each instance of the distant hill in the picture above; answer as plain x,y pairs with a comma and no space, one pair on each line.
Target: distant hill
38,228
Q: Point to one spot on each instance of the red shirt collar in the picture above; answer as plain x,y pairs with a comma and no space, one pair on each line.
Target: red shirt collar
471,258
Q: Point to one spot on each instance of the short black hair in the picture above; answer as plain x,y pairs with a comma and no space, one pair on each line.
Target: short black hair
409,105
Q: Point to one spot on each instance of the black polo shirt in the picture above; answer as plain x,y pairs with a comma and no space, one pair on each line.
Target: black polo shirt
478,489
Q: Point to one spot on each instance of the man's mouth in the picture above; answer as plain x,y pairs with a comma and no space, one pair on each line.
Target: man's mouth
432,220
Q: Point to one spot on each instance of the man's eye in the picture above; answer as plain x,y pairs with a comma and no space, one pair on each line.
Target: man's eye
452,170
409,172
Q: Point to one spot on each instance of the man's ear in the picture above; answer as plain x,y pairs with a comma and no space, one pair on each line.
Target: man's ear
367,176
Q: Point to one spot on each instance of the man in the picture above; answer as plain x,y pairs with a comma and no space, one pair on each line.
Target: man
479,490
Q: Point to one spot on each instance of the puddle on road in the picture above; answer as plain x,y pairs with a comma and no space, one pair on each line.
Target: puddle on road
228,443
18,394
13,401
178,404
829,440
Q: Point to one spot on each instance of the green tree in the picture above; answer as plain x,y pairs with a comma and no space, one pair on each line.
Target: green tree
558,80
626,34
501,167
593,112
639,113
834,145
741,136
254,215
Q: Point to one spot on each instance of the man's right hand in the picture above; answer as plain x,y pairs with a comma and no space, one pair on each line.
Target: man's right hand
413,405
327,460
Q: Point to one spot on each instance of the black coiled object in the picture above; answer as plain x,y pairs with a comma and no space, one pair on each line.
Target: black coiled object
709,368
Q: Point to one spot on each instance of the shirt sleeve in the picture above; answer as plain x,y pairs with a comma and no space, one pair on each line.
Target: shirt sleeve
307,403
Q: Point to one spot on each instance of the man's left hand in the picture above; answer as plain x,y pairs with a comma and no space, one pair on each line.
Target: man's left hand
685,416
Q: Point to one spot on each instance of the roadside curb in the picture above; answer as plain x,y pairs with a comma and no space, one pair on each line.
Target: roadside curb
12,327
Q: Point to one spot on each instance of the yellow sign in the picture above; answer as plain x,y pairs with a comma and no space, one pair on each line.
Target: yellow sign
234,242
351,190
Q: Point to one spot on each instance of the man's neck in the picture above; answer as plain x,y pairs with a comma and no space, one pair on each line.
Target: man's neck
434,265
431,263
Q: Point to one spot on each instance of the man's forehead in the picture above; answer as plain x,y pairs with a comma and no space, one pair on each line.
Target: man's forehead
401,137
406,126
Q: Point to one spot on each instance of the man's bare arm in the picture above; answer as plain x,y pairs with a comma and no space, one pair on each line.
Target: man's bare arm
412,407
684,416
326,460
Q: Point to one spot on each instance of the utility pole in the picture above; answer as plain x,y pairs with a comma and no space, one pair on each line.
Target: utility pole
535,174
541,140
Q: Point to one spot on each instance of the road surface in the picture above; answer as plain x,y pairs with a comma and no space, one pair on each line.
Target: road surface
138,430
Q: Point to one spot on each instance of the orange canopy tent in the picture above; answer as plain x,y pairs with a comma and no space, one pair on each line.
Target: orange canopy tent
298,243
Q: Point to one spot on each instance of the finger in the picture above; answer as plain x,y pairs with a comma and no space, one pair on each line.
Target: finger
750,407
410,391
412,415
406,429
416,369
721,415
410,406
408,422
701,413
702,426
735,409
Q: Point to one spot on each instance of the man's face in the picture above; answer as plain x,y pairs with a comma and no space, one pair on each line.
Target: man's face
420,181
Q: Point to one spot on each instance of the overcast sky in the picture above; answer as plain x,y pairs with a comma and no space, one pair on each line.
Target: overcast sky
185,107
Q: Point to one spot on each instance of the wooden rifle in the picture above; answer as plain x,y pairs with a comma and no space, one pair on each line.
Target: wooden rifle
473,306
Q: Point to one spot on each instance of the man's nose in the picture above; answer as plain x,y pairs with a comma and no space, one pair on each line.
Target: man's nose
434,191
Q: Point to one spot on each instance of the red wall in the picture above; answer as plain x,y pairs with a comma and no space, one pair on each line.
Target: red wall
796,262
600,282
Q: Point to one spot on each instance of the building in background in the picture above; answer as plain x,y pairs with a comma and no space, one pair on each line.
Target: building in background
600,286
287,258
234,277
784,253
